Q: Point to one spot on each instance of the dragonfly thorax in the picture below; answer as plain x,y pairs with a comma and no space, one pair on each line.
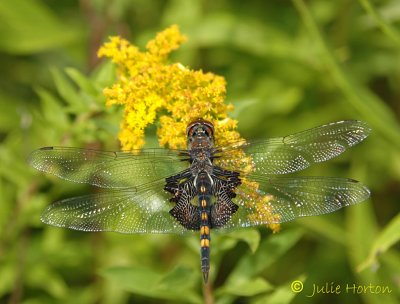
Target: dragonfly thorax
200,135
200,165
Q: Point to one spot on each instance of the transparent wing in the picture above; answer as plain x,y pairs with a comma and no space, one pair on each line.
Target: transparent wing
108,169
283,199
298,151
141,210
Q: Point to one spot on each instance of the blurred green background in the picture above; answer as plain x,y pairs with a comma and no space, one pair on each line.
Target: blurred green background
289,65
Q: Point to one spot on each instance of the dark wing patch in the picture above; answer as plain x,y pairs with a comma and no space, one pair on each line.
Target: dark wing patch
221,212
187,215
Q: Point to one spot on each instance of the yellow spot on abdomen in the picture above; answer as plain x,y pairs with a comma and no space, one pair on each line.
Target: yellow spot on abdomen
203,203
202,189
204,216
204,230
205,243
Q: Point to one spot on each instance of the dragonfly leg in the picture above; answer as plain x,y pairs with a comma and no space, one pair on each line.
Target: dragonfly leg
175,185
181,175
231,178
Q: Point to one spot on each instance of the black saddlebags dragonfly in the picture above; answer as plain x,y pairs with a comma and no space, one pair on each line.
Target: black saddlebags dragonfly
140,183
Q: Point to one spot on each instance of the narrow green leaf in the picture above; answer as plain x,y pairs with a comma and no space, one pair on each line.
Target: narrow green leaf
387,238
362,230
67,91
104,74
52,109
13,165
386,27
84,83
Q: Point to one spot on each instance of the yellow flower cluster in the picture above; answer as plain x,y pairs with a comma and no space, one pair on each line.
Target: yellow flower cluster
152,89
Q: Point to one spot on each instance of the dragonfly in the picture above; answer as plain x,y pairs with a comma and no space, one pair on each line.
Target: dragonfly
203,188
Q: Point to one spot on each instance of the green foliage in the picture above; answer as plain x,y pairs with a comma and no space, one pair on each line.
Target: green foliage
289,66
388,237
177,285
30,27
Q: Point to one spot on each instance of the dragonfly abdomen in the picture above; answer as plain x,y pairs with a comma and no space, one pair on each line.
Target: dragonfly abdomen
205,243
204,187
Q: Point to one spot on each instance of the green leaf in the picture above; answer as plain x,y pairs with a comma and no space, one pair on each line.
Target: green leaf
39,275
10,112
268,252
361,229
265,40
281,295
386,238
13,165
246,288
68,92
361,233
8,277
104,74
53,111
250,236
241,105
84,83
175,285
321,225
29,26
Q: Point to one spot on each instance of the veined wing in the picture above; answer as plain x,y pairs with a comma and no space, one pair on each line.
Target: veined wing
298,151
107,169
283,199
144,209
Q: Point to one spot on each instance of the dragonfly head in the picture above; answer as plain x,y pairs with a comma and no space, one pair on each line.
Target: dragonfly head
200,134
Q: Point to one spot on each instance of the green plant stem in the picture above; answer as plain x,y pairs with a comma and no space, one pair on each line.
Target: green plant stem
382,24
208,293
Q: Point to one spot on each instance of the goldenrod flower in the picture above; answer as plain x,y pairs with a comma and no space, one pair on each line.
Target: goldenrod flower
153,89
150,88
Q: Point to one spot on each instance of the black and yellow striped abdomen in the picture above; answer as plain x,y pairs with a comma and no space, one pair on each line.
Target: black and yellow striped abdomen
204,188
